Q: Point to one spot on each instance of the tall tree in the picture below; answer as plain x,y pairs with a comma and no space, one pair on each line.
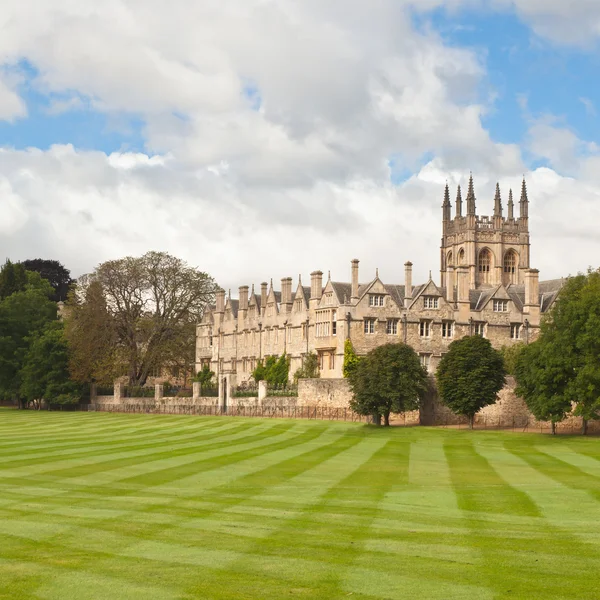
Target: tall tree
389,379
55,273
13,278
470,376
154,303
23,315
351,359
45,371
90,331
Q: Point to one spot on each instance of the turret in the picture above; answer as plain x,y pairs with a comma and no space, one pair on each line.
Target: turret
524,202
471,210
458,203
446,207
498,208
511,205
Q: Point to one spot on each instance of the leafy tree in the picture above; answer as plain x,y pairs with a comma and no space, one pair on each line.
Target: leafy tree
23,316
91,333
351,359
388,379
279,371
205,377
55,273
13,278
45,371
510,355
470,376
543,381
309,368
259,372
154,303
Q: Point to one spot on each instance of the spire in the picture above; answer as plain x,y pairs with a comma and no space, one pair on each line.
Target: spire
497,202
471,197
511,205
459,203
524,202
446,206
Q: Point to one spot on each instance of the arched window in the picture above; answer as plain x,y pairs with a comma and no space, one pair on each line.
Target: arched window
484,265
449,259
461,256
511,262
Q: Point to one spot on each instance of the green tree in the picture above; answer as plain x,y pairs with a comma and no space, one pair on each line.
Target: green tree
309,368
260,371
510,355
278,373
23,316
45,371
389,379
58,276
351,359
470,376
543,381
13,278
205,377
154,302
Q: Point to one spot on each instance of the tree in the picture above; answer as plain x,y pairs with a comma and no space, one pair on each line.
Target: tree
510,355
23,315
470,376
279,371
542,377
13,278
259,372
309,368
388,379
205,377
45,371
351,359
91,334
154,303
55,273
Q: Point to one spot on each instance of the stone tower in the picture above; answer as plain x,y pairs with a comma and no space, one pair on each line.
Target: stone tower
494,249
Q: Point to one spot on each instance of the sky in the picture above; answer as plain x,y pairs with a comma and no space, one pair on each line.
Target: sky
261,139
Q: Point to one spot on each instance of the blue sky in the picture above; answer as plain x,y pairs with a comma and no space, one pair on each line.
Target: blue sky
224,134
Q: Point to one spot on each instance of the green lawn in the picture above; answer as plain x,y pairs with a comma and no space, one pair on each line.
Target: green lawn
97,505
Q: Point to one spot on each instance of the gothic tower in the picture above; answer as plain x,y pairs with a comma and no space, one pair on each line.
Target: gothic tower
494,249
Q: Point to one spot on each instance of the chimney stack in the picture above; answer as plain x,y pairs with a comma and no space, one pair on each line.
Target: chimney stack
408,288
316,285
263,297
243,295
532,288
220,301
286,291
354,292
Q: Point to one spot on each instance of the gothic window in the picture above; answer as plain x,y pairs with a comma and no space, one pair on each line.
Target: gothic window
461,256
449,259
484,265
510,267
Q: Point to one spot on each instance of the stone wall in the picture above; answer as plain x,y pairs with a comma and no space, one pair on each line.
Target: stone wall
328,392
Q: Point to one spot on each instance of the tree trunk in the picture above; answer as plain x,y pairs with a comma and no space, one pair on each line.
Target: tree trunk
584,426
471,419
553,424
377,419
386,417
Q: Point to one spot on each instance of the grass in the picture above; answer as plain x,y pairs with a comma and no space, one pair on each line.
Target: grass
98,505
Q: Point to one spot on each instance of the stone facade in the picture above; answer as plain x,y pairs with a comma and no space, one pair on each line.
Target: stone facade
487,287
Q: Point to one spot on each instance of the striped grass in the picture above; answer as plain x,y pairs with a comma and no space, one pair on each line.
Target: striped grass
100,505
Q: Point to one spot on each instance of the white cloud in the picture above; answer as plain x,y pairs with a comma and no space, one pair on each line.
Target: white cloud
11,105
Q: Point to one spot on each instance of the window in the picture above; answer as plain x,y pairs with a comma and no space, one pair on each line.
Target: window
392,326
252,312
515,331
334,322
425,329
276,335
461,256
270,310
321,357
425,360
304,330
449,259
332,361
500,305
369,326
430,302
328,298
323,327
510,267
289,334
298,305
447,329
479,328
376,299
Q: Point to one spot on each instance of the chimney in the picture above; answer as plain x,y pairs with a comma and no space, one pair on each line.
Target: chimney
354,292
450,284
316,285
263,297
408,288
286,290
243,295
462,292
532,288
220,301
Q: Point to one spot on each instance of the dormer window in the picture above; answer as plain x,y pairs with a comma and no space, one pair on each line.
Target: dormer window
431,302
298,305
328,298
376,299
500,305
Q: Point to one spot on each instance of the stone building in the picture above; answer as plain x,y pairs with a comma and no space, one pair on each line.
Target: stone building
486,288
